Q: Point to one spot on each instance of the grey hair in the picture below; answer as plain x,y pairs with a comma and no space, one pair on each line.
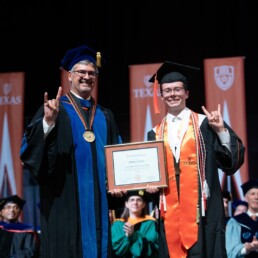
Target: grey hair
86,62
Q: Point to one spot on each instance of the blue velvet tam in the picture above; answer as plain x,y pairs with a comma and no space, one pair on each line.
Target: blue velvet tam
239,202
12,199
252,183
172,72
75,55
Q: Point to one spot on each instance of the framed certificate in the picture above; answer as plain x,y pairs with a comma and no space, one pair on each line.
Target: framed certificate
135,165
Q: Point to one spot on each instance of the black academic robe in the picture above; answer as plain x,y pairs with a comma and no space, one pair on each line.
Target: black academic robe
71,174
211,228
18,240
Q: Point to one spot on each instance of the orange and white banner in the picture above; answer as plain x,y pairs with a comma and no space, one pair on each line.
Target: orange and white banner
66,86
142,115
11,131
225,85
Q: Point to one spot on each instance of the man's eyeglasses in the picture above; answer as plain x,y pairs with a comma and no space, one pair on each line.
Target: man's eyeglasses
174,90
83,73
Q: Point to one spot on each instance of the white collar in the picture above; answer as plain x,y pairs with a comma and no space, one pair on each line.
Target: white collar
251,213
184,113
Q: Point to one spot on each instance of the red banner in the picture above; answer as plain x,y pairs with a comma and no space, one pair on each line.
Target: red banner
225,85
143,117
11,131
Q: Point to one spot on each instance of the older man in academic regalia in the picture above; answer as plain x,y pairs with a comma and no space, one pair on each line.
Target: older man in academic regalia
63,147
242,230
17,239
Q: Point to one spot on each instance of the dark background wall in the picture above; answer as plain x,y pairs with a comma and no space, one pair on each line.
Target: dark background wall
36,34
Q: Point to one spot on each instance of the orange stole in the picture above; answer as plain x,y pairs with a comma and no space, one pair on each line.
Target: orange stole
180,219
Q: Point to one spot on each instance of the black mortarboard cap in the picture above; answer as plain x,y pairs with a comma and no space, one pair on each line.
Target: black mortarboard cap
75,55
227,195
252,183
239,202
172,72
13,199
141,193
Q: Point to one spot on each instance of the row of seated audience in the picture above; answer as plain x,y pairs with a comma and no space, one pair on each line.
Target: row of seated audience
134,233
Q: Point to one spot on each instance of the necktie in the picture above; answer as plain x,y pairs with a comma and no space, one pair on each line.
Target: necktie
254,217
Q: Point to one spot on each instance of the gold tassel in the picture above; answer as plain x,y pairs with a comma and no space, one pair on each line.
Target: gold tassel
98,59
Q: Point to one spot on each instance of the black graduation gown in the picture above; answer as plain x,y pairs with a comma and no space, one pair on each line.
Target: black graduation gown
211,229
72,181
18,240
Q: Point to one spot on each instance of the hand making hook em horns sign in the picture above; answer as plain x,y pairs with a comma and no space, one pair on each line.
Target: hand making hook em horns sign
51,107
215,119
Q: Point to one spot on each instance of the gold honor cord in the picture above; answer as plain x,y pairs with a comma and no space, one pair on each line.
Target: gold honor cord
88,135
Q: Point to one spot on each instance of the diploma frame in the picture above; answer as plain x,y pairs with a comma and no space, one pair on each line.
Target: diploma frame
133,166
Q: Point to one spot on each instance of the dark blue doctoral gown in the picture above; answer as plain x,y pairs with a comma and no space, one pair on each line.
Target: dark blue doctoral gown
71,174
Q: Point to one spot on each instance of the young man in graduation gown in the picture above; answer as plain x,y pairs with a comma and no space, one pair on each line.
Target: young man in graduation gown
242,230
63,147
16,239
192,217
